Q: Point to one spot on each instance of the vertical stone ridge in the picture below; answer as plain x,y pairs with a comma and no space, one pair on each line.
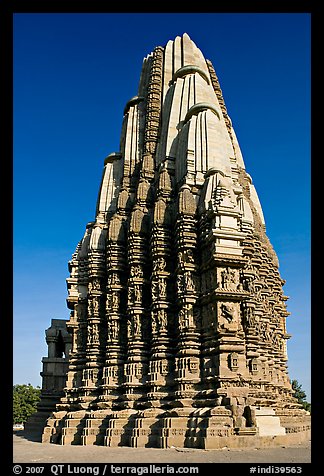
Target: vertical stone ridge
153,107
219,94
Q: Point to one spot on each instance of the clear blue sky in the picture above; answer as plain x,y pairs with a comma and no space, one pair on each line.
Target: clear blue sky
74,73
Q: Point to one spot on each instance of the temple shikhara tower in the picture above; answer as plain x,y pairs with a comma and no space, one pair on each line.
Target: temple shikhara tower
178,317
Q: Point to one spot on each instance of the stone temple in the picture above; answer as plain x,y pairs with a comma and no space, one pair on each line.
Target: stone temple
178,318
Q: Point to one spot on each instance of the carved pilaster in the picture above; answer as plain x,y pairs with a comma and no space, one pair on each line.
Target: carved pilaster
187,360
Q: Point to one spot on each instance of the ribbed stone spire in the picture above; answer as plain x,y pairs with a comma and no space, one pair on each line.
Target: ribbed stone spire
178,318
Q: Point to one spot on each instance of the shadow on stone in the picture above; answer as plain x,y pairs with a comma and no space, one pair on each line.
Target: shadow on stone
35,435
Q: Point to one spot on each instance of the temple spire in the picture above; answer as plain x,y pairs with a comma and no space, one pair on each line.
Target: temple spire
177,309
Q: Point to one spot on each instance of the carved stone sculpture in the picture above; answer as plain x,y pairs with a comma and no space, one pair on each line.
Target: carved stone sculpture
174,290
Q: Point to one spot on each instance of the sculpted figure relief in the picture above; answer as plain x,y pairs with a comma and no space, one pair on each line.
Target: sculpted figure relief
162,288
228,316
154,290
186,317
249,315
136,325
186,257
115,301
263,329
96,305
229,279
113,329
93,334
161,319
277,341
180,284
159,264
136,272
137,293
249,285
227,312
96,284
130,294
113,279
129,329
188,281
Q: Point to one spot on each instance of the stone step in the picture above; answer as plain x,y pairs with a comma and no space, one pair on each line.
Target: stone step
94,431
267,422
72,431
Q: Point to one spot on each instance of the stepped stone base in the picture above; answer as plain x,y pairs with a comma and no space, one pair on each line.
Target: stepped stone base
185,427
